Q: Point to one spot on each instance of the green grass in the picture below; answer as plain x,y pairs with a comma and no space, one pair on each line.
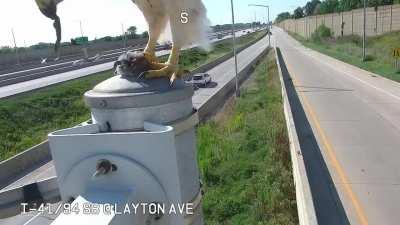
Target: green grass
349,49
25,120
245,160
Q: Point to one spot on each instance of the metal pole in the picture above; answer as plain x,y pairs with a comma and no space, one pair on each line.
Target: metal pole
84,48
364,32
124,35
391,17
269,27
376,20
255,16
352,22
234,51
269,30
80,26
306,28
16,48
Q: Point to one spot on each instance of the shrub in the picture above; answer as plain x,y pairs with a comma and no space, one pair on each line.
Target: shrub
322,32
369,58
356,40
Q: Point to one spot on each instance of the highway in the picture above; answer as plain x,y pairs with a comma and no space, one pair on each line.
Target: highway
76,62
348,121
36,65
49,75
220,74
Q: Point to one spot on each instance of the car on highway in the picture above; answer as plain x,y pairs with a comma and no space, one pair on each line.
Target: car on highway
200,79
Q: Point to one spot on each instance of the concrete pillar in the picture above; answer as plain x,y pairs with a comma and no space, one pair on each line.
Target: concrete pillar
145,128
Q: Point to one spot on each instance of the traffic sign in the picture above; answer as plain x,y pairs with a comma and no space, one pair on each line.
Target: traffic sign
396,52
80,41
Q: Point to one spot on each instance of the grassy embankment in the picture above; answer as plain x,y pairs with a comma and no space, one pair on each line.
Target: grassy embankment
244,157
349,49
25,120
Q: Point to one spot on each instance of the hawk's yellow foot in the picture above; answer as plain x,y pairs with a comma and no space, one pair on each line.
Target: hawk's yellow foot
171,71
153,61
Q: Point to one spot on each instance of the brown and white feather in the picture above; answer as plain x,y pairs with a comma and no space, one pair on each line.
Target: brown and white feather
164,19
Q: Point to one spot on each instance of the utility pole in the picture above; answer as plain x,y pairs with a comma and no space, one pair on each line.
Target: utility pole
16,48
364,28
255,20
268,23
80,26
85,45
234,51
124,35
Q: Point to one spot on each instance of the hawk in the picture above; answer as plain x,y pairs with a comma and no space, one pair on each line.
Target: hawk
185,20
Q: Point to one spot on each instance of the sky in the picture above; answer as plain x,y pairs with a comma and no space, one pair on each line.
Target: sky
101,18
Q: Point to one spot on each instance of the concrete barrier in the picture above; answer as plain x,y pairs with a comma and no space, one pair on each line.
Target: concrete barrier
24,161
26,76
216,101
225,57
305,204
11,201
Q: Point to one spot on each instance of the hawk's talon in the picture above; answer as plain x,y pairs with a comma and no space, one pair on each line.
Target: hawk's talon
173,78
171,71
153,61
150,57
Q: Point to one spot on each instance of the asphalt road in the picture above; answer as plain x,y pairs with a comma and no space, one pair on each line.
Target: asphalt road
352,148
67,70
220,74
68,59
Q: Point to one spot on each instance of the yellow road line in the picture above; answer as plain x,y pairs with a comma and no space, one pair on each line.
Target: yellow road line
331,154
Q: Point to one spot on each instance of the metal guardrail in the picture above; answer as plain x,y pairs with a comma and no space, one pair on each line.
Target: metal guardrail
305,204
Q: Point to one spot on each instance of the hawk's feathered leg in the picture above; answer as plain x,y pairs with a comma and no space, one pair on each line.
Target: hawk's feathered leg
49,9
166,15
157,22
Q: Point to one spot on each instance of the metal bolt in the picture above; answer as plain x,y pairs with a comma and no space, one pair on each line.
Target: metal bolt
104,167
103,103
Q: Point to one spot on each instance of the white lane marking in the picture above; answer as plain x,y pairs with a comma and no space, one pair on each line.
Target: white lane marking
356,78
32,180
352,76
31,219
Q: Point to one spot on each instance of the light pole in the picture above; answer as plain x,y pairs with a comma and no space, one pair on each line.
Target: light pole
16,47
80,27
124,35
234,51
364,32
255,20
268,23
84,48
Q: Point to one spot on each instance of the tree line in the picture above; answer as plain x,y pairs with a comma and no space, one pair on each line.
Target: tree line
130,33
317,7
